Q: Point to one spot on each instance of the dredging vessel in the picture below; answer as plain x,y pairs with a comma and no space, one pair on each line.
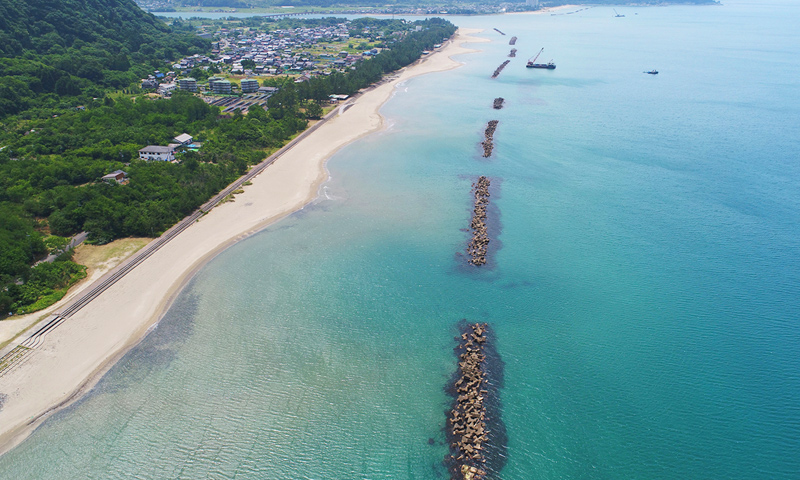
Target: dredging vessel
532,62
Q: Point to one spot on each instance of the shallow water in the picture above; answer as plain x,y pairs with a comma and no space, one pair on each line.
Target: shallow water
644,298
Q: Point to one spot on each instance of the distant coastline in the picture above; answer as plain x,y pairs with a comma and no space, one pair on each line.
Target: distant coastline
210,12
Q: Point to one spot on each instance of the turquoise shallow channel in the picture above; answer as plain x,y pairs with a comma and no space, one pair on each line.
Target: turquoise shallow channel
643,288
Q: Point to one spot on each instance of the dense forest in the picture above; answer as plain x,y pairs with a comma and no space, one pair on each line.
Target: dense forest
50,167
57,53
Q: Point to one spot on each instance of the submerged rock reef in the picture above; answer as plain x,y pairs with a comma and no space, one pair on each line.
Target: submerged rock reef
479,244
474,430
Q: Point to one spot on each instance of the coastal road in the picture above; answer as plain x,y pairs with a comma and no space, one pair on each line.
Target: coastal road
74,242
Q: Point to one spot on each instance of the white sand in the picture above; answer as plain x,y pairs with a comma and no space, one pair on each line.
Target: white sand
551,10
75,355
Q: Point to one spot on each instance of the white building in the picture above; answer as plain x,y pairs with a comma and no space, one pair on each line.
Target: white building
183,139
157,153
166,88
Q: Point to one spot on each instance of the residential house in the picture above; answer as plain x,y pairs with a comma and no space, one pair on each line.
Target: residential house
118,176
149,84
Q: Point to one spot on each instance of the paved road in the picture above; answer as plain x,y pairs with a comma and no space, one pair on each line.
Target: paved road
74,242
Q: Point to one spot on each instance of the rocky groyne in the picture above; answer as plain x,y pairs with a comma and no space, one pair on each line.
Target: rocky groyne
488,140
478,245
475,431
500,69
512,41
498,103
513,53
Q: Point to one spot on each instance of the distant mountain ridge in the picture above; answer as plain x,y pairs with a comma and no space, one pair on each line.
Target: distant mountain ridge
69,48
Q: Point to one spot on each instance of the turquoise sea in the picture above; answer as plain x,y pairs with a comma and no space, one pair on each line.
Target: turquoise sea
643,287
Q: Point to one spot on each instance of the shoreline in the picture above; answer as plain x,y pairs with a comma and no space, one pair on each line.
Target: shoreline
75,356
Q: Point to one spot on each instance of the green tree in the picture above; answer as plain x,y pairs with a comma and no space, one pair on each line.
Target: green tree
67,86
313,110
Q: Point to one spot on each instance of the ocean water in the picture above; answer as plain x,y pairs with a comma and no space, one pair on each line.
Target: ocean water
643,283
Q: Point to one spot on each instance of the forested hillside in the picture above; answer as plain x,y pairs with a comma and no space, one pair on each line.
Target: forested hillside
56,53
50,168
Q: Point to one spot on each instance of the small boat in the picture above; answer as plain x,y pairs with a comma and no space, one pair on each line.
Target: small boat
652,72
532,62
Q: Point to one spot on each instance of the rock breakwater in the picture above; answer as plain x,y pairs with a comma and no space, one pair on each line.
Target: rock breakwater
475,432
479,243
513,53
488,138
512,41
498,103
500,69
498,31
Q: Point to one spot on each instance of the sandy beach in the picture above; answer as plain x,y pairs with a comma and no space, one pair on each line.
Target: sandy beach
77,353
99,260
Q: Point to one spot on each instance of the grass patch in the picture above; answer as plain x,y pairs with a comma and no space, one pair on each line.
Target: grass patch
106,257
46,296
